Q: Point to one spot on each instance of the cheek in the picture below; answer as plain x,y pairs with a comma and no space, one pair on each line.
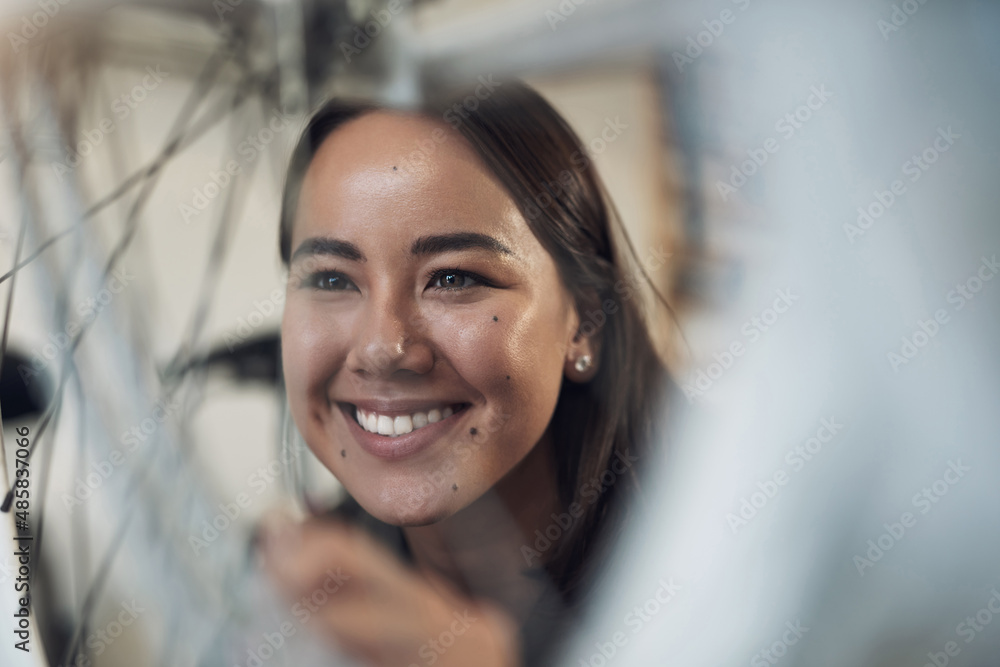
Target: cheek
310,351
513,362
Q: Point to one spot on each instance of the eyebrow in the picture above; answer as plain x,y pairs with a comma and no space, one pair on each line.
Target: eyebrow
428,245
321,245
425,245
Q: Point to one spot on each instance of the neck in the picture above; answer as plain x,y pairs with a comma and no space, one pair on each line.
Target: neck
478,550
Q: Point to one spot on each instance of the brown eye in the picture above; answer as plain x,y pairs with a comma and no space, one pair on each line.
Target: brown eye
454,280
329,281
450,279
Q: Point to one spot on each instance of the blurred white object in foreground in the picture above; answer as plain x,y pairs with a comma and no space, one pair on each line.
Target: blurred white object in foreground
832,496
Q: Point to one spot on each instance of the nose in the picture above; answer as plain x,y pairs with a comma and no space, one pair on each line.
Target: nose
389,340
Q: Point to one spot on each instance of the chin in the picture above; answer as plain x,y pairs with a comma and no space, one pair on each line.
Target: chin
407,507
408,517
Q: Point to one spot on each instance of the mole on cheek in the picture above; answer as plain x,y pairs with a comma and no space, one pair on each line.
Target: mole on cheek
343,453
496,319
454,487
473,431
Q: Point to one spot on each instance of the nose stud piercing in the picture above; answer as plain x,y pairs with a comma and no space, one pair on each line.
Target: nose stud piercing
583,363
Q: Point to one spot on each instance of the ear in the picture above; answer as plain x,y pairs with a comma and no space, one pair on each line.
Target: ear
582,357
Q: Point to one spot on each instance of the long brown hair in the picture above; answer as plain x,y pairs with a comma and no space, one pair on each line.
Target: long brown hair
546,170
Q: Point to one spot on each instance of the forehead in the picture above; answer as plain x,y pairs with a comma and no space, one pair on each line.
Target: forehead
390,171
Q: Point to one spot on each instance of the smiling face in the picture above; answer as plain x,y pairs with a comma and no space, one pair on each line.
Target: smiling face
426,330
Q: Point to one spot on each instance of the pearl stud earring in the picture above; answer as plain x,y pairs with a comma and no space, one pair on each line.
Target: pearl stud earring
583,363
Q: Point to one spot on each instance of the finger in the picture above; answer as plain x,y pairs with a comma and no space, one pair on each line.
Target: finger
301,556
478,634
381,632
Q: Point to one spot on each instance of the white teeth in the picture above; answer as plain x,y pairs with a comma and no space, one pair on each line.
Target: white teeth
402,425
384,425
393,426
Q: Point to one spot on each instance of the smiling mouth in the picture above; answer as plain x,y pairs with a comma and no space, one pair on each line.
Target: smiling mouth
395,425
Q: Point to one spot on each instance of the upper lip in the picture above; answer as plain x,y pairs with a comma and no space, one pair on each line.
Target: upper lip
399,407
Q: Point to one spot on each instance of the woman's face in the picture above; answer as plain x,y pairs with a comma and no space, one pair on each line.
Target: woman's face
420,303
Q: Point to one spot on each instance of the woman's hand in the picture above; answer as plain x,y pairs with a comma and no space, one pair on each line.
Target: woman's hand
381,611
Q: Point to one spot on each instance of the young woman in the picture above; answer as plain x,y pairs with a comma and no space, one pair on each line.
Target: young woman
464,350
